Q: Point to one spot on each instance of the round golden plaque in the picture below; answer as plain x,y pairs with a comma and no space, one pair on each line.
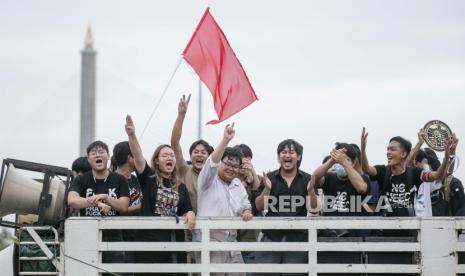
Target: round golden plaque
436,133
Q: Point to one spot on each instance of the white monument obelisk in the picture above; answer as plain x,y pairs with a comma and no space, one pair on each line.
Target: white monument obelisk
88,93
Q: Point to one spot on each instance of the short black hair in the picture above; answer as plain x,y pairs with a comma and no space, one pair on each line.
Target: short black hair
113,165
291,143
121,151
81,165
232,153
433,159
358,151
351,151
97,144
420,156
245,150
404,143
327,157
203,143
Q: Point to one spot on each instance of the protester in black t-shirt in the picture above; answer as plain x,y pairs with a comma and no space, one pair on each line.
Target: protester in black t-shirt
124,165
99,197
163,195
286,192
99,192
396,180
344,185
124,161
79,167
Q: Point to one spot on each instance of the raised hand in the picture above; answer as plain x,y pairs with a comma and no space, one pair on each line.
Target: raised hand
249,169
454,144
228,135
339,156
448,147
183,104
229,132
421,136
246,164
267,181
363,140
129,127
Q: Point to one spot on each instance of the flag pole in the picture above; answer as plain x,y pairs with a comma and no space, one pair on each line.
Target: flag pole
199,130
161,97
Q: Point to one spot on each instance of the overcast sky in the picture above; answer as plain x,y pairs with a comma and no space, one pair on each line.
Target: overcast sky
321,69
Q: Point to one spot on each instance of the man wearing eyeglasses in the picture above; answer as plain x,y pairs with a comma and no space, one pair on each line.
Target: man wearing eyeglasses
221,193
99,192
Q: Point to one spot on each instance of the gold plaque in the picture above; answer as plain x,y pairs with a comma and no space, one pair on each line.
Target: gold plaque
436,133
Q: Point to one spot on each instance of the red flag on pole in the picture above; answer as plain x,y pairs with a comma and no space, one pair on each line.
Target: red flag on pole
213,59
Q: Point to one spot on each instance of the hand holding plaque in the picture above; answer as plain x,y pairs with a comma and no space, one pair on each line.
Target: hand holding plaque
436,134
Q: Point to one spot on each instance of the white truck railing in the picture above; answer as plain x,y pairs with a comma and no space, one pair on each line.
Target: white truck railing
437,246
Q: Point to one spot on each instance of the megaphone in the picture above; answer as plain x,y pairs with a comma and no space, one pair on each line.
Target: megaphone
21,194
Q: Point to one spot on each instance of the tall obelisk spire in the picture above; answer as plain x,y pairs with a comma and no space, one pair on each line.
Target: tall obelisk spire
88,93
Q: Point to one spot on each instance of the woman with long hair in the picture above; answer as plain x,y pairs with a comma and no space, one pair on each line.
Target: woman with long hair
163,195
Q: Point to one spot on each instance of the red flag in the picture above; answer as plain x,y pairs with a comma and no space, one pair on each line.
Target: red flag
212,58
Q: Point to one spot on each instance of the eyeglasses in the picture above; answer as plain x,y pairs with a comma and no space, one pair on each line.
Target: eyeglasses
231,166
93,153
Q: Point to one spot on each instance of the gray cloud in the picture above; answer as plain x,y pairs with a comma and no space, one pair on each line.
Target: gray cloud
322,70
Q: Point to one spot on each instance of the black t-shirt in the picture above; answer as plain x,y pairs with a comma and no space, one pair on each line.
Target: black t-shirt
115,185
161,200
450,199
135,198
342,191
456,197
282,193
135,193
398,189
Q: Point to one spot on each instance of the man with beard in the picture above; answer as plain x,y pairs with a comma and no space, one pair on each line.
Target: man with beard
396,180
290,183
199,152
100,192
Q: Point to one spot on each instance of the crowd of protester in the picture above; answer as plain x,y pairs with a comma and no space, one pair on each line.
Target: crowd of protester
222,182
